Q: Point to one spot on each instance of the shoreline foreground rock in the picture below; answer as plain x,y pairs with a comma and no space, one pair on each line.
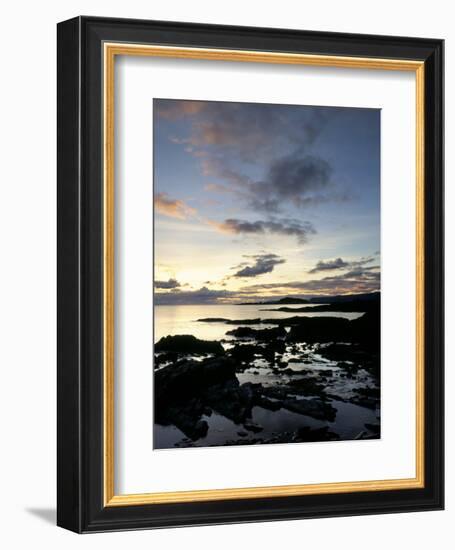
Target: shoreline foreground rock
305,367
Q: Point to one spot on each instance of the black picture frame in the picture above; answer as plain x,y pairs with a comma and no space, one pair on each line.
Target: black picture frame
81,505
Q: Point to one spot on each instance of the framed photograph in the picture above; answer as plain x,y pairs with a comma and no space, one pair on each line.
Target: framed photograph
250,274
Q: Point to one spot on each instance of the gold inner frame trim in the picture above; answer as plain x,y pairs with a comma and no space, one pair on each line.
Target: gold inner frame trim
110,50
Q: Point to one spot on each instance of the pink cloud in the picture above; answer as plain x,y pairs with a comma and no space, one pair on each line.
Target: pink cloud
174,208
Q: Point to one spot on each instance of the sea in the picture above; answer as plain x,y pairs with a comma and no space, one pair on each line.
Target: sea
183,319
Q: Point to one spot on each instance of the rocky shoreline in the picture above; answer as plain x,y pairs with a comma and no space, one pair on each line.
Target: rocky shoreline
304,369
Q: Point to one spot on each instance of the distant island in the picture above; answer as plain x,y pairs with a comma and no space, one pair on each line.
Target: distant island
291,300
286,300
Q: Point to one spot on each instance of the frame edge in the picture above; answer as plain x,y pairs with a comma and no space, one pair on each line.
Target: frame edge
69,510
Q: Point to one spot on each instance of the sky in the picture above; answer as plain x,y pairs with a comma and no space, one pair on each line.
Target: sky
257,201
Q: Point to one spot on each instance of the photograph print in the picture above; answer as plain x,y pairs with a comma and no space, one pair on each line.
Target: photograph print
266,274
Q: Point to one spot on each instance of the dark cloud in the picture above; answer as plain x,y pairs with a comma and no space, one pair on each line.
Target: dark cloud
290,227
251,130
225,136
299,179
329,265
168,285
361,280
263,263
352,282
295,178
201,296
339,263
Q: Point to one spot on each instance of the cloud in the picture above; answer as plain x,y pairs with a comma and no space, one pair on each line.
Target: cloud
170,284
339,264
174,208
329,265
225,135
201,296
264,263
361,280
353,282
296,178
299,179
250,129
290,227
172,109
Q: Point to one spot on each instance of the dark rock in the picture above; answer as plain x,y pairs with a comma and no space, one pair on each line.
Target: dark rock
274,392
342,353
369,392
278,345
321,329
187,419
258,334
186,343
242,332
245,353
252,427
162,358
269,404
366,402
178,383
232,400
306,434
212,320
375,428
307,386
257,321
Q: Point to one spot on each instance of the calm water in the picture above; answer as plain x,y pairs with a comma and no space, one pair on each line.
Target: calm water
349,422
183,319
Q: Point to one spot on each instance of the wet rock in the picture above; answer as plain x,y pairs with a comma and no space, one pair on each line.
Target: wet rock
242,332
278,345
307,386
269,404
366,402
365,330
321,329
369,392
178,383
275,392
186,343
258,334
245,353
187,419
162,358
306,434
252,427
232,400
375,428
